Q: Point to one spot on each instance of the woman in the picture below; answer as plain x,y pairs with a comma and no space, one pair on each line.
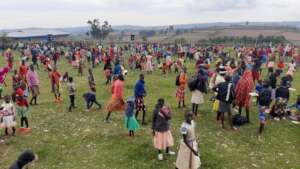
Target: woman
117,101
162,136
180,93
243,88
33,84
188,156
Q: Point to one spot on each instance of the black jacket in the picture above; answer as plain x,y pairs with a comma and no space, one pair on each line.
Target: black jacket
283,92
159,123
25,158
222,90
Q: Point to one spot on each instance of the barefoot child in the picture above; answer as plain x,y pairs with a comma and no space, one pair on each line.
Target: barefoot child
22,105
262,119
55,78
8,115
130,121
71,90
188,156
162,137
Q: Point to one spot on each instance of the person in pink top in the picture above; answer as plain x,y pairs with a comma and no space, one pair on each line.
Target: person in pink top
33,84
117,100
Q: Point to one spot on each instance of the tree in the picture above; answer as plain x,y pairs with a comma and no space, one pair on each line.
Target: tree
5,42
99,31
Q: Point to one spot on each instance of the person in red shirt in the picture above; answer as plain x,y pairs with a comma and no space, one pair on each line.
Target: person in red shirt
55,78
22,104
23,69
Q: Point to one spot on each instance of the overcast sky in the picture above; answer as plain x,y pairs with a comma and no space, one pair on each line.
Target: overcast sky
68,13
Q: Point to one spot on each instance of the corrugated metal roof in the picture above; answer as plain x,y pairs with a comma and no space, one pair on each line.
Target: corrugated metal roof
36,33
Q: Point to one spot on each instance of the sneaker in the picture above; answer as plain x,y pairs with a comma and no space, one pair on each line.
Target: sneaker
172,153
160,157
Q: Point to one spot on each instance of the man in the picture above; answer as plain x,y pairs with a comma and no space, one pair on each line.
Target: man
225,95
140,93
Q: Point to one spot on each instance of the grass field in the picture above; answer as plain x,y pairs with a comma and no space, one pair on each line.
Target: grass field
81,140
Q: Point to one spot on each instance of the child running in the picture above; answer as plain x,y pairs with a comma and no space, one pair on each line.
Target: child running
55,84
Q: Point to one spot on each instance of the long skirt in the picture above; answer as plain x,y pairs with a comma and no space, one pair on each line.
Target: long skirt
162,140
180,93
116,105
186,158
131,123
35,90
197,97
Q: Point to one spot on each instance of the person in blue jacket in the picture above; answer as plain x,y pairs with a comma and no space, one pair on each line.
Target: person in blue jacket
117,69
140,93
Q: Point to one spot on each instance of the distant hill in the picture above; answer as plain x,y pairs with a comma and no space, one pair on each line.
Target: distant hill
83,29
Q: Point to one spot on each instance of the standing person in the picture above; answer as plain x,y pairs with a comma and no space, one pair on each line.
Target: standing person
181,81
23,69
55,84
22,104
117,102
107,71
91,80
262,119
3,73
198,91
26,159
243,89
225,95
273,82
162,136
149,67
188,155
71,90
8,113
140,93
130,120
33,84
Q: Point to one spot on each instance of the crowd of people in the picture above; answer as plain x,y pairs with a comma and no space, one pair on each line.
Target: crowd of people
232,79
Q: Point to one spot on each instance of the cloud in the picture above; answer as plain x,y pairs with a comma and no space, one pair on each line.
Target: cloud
57,13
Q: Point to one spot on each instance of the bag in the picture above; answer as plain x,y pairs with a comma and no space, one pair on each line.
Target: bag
216,105
177,80
239,120
192,84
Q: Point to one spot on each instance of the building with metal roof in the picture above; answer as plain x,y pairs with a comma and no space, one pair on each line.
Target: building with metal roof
38,35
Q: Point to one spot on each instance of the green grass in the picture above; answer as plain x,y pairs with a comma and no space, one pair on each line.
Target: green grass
80,139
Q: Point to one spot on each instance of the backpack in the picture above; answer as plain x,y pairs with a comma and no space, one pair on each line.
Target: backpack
177,80
239,120
265,97
193,82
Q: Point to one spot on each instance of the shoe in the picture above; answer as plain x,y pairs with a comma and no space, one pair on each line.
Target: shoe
107,121
160,157
172,153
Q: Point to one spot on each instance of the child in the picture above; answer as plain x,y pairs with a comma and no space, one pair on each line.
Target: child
8,115
90,99
262,119
162,136
71,90
295,115
188,155
26,159
55,84
108,72
130,120
23,69
22,104
91,80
